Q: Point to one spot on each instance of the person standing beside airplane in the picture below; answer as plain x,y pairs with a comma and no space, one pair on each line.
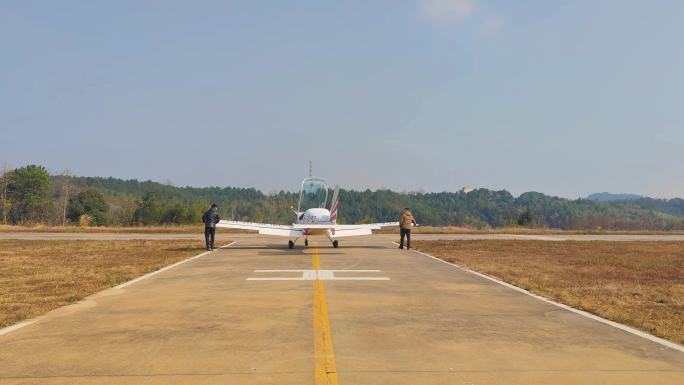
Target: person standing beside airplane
210,219
407,221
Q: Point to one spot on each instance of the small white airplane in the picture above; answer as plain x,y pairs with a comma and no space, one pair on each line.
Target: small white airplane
312,218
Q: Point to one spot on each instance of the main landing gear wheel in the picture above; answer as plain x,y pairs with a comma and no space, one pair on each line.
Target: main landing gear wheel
290,244
335,244
306,242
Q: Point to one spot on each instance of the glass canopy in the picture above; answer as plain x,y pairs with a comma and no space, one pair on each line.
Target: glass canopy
314,194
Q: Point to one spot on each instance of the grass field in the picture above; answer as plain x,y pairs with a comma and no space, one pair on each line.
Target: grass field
38,276
635,283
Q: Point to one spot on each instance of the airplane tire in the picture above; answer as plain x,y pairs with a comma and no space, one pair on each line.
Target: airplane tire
290,244
335,244
306,242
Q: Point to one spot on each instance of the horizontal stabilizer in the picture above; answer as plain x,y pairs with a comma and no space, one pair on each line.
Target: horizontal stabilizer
351,233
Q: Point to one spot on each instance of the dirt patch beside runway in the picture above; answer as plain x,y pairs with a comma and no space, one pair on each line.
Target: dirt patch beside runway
636,283
37,276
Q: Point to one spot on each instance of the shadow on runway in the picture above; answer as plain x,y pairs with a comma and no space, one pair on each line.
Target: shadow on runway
294,252
278,249
281,246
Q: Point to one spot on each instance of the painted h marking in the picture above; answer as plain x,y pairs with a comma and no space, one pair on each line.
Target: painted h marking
317,275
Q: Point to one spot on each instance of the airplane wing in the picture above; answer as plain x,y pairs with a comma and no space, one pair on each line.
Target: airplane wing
297,230
339,231
369,226
372,226
263,228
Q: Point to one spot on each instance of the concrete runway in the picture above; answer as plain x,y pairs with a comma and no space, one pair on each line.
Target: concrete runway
365,313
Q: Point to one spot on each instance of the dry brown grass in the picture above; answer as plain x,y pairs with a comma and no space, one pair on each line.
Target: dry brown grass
635,283
520,230
178,229
38,276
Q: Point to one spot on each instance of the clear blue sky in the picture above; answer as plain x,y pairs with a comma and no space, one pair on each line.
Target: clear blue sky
562,97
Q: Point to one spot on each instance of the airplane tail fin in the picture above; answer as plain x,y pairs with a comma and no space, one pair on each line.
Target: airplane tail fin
334,205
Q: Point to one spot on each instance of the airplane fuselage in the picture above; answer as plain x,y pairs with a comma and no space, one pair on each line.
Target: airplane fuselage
315,216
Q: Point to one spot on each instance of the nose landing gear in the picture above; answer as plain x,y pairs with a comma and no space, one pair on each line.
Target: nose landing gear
290,244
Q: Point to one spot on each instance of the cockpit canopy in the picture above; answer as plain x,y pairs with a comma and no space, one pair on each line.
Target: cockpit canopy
314,194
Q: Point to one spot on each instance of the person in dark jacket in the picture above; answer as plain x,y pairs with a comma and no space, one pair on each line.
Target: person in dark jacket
405,223
210,219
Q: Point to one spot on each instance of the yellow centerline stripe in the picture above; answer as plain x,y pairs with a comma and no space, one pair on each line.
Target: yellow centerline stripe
325,372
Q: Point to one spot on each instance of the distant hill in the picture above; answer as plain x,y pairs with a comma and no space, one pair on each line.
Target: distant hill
610,197
478,208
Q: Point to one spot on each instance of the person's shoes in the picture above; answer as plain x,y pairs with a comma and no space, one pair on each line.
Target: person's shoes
208,248
401,247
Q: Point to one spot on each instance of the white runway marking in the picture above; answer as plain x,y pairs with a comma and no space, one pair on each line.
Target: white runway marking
14,327
317,275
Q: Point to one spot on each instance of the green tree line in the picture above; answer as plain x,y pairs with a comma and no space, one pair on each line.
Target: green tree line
30,195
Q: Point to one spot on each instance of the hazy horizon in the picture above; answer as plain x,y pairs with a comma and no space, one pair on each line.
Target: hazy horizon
563,98
295,186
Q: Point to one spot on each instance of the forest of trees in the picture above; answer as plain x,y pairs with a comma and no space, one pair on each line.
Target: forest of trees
30,195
